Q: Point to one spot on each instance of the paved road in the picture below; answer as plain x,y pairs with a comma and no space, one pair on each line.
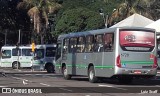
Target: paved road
78,86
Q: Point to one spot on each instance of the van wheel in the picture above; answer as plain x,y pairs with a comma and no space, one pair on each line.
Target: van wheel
14,65
91,75
50,68
65,73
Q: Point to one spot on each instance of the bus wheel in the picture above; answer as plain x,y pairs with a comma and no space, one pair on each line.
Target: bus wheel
50,68
91,75
14,65
65,74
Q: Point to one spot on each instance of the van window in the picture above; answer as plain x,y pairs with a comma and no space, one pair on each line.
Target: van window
26,52
15,52
6,54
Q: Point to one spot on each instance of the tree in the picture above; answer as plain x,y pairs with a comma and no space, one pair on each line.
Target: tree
129,7
79,19
154,9
38,11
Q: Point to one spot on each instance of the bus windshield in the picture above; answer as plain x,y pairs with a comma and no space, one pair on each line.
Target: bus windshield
39,54
137,40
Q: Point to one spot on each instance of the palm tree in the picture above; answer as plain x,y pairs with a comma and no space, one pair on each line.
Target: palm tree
129,7
38,11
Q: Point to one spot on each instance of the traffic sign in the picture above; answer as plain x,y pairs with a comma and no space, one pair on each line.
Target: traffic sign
33,47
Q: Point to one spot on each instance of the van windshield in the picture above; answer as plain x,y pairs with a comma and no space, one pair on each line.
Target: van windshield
6,54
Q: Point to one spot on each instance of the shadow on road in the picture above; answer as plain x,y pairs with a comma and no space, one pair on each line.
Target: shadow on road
136,82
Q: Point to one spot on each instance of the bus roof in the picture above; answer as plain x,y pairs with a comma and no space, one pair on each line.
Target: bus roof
100,31
45,45
15,46
29,46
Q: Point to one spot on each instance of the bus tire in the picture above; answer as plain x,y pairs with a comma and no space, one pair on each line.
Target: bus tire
91,75
65,74
50,68
14,65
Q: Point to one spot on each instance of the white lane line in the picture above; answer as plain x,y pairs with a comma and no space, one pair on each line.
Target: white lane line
65,89
20,79
104,85
158,72
111,87
3,86
45,84
18,70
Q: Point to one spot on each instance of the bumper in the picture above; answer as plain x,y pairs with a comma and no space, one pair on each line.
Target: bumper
124,71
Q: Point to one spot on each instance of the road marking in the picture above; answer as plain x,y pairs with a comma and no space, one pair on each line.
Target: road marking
45,84
158,72
111,87
65,89
18,70
104,85
24,82
20,78
3,86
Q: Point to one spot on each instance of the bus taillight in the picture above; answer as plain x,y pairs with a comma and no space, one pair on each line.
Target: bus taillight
118,63
155,65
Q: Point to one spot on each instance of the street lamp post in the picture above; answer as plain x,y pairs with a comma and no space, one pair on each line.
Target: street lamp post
31,29
6,36
105,18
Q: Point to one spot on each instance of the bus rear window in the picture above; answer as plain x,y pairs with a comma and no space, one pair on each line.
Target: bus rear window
137,40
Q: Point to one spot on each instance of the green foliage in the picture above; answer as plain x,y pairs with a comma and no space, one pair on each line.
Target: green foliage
79,19
71,17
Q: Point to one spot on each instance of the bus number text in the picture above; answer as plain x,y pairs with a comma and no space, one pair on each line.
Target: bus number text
125,55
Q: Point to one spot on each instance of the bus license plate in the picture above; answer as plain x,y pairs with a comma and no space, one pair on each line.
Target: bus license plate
137,72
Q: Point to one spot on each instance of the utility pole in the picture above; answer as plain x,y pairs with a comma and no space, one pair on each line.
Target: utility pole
19,38
6,36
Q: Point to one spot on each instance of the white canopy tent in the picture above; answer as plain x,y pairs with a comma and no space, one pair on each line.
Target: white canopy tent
155,25
134,20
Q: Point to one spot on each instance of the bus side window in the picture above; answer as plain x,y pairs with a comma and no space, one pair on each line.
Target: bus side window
89,43
65,45
98,47
50,51
72,44
80,44
108,42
